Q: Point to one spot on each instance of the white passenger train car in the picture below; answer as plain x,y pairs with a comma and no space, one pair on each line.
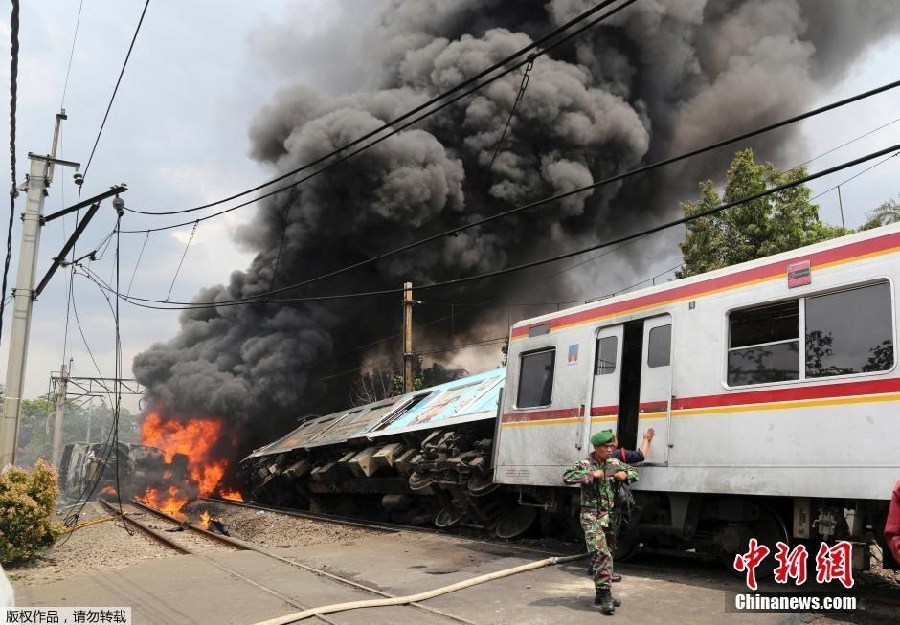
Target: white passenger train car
772,386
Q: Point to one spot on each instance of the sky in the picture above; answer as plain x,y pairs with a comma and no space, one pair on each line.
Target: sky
177,136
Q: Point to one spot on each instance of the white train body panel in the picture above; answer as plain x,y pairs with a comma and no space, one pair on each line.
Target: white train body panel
726,420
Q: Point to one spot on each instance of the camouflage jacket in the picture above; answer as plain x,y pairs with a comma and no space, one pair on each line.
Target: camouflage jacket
599,494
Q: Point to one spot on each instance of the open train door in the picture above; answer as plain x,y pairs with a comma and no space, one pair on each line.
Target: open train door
606,373
656,386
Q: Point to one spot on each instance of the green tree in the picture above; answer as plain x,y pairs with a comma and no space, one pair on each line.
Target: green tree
81,423
769,225
27,520
887,213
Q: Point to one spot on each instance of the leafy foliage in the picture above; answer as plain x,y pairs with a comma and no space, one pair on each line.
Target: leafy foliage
769,225
27,523
887,213
80,423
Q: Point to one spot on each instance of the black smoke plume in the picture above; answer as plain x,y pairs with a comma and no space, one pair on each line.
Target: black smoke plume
661,77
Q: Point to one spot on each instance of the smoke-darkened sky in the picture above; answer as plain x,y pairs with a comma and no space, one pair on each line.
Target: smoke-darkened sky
292,81
654,80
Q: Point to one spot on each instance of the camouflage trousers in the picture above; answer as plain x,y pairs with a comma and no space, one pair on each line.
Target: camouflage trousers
595,524
612,533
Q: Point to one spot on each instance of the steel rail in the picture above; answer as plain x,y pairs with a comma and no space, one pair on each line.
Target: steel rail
178,547
228,540
242,545
384,527
152,533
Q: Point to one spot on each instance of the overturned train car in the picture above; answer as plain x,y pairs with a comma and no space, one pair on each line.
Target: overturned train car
772,386
417,458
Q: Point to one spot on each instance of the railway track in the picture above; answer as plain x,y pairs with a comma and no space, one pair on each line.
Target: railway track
386,527
194,540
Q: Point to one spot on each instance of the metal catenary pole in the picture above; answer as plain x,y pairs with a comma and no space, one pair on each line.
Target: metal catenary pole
407,337
38,182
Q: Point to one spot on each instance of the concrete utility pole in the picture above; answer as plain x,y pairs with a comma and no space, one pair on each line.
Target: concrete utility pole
407,337
60,411
36,186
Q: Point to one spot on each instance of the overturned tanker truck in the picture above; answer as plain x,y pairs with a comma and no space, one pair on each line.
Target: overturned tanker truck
128,469
420,458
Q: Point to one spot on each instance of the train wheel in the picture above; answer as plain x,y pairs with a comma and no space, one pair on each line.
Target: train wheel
515,521
419,482
767,529
479,485
449,516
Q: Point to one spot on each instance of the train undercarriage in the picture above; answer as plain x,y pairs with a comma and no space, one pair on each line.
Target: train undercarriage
443,477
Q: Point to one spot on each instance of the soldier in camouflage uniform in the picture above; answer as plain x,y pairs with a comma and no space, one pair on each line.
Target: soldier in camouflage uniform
596,474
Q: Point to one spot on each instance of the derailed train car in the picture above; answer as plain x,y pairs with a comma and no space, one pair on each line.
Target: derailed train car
422,457
772,385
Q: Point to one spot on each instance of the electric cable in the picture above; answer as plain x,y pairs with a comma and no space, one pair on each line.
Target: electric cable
619,177
119,205
857,175
538,46
13,87
350,155
284,225
476,306
846,143
137,264
622,239
62,101
177,269
115,90
512,110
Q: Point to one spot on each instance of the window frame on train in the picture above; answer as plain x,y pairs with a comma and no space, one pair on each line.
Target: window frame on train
539,397
602,364
655,351
799,336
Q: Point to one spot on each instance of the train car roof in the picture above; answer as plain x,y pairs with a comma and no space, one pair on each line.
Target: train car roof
466,399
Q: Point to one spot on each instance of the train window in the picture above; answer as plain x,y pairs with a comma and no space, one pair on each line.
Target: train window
765,324
536,379
764,344
659,344
607,353
839,343
765,341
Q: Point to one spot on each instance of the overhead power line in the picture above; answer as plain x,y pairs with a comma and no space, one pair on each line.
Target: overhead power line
62,101
537,48
13,76
116,90
554,198
528,265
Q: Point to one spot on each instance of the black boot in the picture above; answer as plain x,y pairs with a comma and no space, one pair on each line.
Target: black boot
616,601
605,600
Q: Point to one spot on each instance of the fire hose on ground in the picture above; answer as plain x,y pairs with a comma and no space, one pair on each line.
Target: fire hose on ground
422,596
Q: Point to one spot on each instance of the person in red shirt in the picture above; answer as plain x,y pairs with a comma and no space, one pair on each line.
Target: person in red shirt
892,527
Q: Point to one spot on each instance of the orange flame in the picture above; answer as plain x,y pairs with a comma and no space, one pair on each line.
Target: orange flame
171,505
108,490
195,439
204,519
232,495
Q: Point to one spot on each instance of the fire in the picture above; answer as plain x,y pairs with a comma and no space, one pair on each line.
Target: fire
108,490
233,495
171,504
195,439
204,519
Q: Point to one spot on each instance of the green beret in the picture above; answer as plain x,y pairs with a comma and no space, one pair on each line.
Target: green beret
602,438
